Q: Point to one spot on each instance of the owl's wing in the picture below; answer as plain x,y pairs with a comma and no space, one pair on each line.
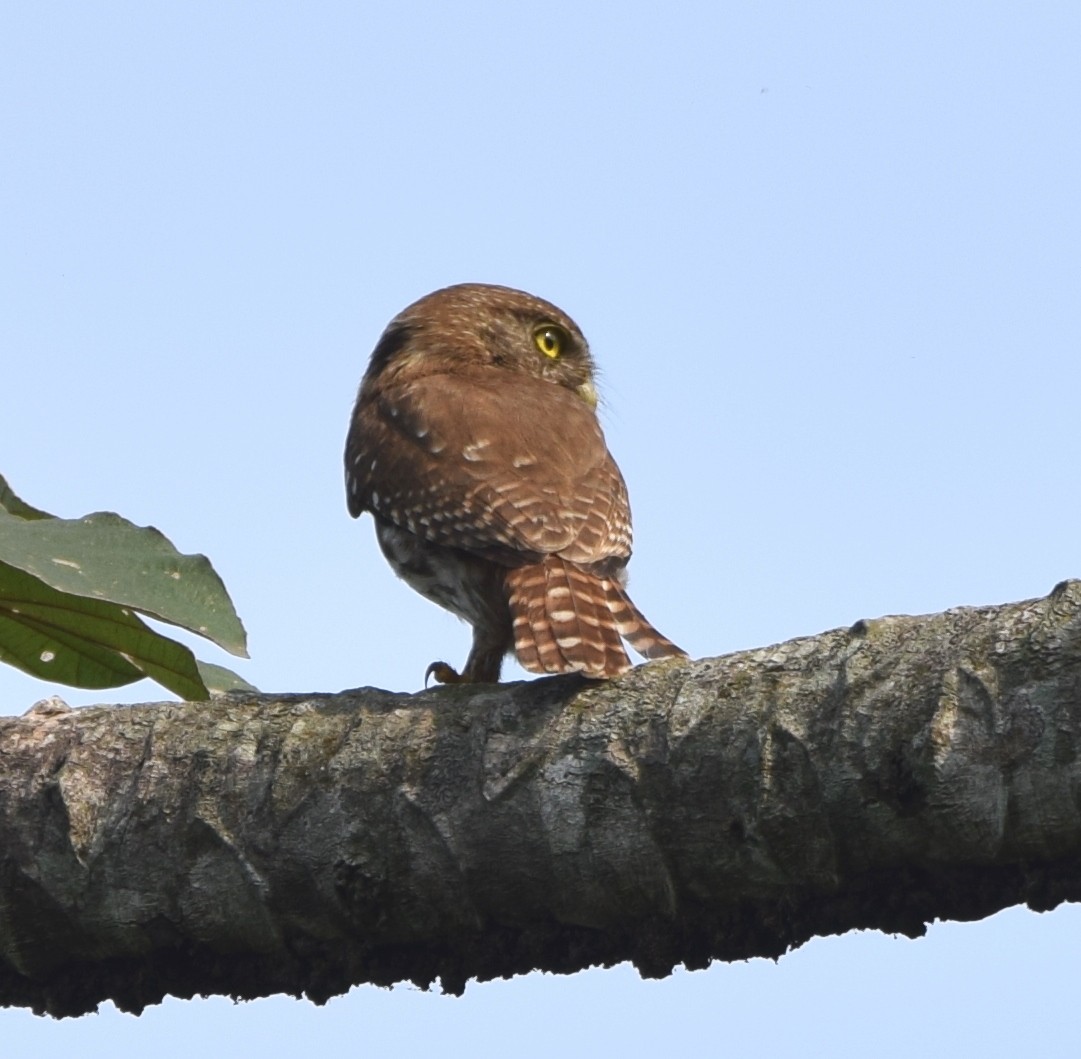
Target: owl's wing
512,469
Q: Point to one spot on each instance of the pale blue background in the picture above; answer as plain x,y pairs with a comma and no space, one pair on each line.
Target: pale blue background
827,254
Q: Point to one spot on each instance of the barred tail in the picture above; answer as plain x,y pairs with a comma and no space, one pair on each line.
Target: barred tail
634,628
569,620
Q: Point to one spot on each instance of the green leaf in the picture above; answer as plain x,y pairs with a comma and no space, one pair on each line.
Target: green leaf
219,680
106,557
86,643
13,505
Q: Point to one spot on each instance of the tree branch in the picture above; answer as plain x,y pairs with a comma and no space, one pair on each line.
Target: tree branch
878,776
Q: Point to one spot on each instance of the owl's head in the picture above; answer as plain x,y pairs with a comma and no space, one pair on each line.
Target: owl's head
478,325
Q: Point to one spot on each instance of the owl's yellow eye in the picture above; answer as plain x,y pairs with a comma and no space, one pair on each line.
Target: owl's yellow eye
550,340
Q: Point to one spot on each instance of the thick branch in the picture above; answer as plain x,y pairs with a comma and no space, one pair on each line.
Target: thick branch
878,776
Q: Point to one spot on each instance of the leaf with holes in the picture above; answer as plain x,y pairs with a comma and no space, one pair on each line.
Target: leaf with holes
106,557
86,643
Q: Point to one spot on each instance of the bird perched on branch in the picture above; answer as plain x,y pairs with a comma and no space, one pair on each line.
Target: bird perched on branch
475,446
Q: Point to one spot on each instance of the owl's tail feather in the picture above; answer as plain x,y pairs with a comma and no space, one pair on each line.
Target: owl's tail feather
634,628
569,620
562,623
534,644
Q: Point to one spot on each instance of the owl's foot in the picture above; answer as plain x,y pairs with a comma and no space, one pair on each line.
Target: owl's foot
444,674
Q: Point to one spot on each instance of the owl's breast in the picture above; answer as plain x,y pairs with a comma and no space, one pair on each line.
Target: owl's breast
466,585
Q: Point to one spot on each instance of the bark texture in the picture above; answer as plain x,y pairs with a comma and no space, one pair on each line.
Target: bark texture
879,776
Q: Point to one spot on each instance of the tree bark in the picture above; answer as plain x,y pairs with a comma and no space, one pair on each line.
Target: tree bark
878,776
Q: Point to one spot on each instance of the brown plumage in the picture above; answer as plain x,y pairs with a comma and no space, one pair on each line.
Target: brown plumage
475,445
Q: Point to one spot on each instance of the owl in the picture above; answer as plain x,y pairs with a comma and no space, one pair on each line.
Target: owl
475,446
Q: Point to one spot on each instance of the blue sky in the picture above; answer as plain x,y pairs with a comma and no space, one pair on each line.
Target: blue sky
827,255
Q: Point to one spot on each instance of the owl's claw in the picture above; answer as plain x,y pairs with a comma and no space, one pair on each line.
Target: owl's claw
443,674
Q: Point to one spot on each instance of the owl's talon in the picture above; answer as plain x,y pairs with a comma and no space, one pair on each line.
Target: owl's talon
443,674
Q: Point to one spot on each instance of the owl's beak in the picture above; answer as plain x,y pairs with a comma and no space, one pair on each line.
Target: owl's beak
588,392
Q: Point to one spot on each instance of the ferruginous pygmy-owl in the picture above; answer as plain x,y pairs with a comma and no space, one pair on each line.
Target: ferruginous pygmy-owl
475,446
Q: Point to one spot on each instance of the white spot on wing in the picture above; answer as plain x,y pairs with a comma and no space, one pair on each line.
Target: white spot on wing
472,451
